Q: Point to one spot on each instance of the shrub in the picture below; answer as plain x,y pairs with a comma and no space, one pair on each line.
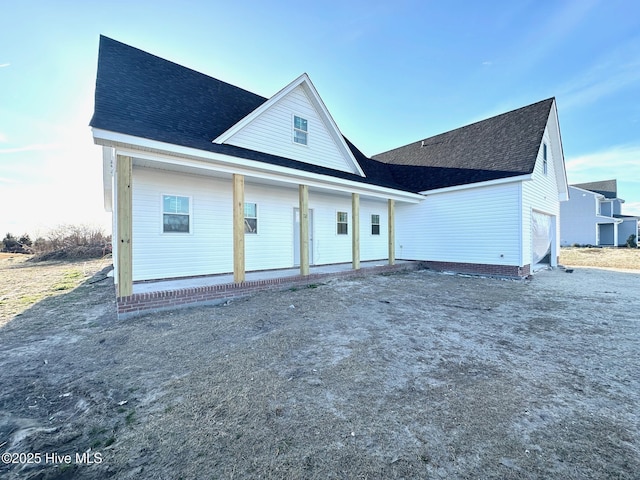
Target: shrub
72,242
11,244
631,241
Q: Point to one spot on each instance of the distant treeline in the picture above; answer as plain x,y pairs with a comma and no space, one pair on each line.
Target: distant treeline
62,242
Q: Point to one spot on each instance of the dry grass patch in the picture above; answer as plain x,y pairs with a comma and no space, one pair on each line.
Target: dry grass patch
621,258
23,283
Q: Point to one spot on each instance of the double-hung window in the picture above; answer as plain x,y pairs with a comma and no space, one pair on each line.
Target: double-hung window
250,218
342,223
375,224
176,214
300,130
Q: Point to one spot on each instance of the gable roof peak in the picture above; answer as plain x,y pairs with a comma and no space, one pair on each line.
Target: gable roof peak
314,97
502,146
608,188
548,101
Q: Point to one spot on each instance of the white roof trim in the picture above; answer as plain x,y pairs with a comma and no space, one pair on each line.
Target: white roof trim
558,152
304,81
595,194
608,219
599,195
488,183
167,152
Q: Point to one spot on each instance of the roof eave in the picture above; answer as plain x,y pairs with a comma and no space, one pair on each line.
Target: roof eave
170,153
487,183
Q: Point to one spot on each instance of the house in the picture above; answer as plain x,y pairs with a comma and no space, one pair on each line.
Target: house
207,179
593,216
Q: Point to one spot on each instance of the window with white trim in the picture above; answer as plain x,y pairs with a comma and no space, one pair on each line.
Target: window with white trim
176,214
544,158
342,223
375,224
250,218
300,130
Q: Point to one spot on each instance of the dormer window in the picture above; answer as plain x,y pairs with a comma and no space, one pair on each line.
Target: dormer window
300,130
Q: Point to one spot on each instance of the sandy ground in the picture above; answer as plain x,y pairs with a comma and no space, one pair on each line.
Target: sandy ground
413,375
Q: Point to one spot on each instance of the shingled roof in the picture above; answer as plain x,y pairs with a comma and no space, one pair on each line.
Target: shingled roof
503,146
146,96
608,188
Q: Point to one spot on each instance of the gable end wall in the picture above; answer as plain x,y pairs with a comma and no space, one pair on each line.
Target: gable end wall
541,194
272,132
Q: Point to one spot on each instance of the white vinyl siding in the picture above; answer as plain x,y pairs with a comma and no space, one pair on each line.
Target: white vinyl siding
373,247
271,132
328,246
273,246
580,219
476,225
207,250
209,247
540,194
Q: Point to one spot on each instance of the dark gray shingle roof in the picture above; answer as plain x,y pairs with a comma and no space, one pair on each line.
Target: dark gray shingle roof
503,146
143,95
608,188
146,96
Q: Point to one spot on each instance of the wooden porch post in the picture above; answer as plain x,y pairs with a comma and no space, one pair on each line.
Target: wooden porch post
124,168
392,231
304,230
238,228
355,234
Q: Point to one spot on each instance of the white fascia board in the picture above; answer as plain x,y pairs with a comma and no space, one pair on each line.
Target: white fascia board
595,194
488,183
333,127
558,153
608,219
191,157
304,81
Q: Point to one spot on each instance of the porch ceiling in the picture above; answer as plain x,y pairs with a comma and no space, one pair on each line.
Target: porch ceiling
209,170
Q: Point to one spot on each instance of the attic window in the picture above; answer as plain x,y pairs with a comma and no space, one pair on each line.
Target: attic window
544,158
300,130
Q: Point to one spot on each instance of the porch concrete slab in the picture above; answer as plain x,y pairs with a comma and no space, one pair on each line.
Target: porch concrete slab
223,279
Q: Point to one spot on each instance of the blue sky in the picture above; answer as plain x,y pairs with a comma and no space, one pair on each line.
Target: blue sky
389,72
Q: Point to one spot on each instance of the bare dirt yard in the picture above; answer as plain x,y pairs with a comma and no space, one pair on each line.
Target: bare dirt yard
413,375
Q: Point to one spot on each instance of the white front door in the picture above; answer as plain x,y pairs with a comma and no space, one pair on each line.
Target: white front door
296,237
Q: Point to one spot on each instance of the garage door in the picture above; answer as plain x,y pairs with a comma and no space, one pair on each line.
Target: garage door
542,236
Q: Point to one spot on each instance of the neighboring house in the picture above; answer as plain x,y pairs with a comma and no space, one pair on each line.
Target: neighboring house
206,178
593,216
